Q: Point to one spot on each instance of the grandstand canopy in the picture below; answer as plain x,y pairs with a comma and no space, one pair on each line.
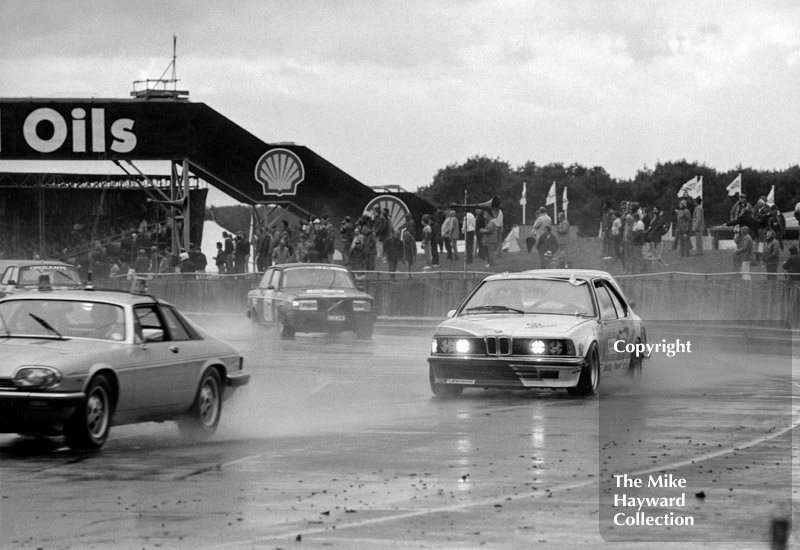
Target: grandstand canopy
217,150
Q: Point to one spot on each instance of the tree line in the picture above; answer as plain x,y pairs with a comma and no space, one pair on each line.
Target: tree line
589,188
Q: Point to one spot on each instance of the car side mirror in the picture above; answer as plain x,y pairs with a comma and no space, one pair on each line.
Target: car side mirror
631,303
152,335
12,282
270,287
451,313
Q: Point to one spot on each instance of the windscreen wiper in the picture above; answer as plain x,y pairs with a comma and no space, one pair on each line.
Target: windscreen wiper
46,325
494,308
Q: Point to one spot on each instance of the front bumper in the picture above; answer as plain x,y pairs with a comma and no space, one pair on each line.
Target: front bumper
37,412
323,321
507,372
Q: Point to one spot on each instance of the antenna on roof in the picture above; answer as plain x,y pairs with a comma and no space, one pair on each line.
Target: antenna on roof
151,87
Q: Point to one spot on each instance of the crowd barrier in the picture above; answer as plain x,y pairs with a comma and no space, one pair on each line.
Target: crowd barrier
671,296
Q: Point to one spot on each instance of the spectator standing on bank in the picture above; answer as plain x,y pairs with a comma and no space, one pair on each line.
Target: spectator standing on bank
409,243
186,265
229,249
155,259
777,223
370,247
562,236
500,225
762,215
346,230
393,248
198,258
439,217
792,264
617,232
241,253
772,255
480,223
426,240
609,249
743,253
489,237
468,229
357,257
263,251
219,259
698,226
544,244
142,263
281,253
683,221
450,235
740,207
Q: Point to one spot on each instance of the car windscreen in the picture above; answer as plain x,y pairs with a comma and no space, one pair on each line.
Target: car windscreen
543,296
317,277
62,318
59,275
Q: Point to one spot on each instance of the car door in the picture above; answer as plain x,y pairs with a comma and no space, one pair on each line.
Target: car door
258,296
272,297
613,330
164,364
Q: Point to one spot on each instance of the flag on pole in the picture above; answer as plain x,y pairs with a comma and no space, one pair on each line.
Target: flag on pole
551,195
735,187
694,187
771,196
564,201
524,198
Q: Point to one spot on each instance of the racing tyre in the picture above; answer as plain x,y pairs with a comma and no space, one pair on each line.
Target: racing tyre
443,390
589,380
87,429
364,332
284,328
202,419
634,373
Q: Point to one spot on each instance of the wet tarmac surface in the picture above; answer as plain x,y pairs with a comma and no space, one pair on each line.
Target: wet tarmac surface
338,443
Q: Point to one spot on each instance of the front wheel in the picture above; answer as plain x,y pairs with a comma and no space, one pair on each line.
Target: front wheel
87,429
202,419
443,390
589,379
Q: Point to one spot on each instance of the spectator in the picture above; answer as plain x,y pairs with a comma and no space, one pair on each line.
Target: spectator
357,256
281,254
427,241
370,243
166,263
488,237
346,230
468,228
617,233
436,241
186,265
609,249
543,220
742,254
792,264
198,258
263,251
155,259
242,253
438,218
772,255
777,223
740,207
301,250
409,243
562,236
219,259
698,225
683,220
480,223
382,227
393,248
142,263
229,250
450,235
762,215
500,228
545,244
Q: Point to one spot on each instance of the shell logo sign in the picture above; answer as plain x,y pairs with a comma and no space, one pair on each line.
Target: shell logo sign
279,171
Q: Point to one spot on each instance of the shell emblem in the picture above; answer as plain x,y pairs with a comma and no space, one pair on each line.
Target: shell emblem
279,171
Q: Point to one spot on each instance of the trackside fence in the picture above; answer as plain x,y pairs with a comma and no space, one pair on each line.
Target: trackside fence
671,296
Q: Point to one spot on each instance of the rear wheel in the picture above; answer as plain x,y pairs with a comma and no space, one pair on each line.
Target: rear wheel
88,428
443,390
202,419
364,331
589,380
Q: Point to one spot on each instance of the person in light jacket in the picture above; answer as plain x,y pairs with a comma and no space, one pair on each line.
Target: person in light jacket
698,226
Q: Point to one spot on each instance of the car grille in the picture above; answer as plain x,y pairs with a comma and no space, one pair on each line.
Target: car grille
334,305
498,345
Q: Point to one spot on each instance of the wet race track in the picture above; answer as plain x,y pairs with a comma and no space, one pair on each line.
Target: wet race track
338,443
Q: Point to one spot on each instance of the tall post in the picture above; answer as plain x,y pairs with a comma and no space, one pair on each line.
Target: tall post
465,236
186,209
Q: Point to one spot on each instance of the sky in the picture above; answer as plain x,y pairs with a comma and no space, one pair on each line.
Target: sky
393,91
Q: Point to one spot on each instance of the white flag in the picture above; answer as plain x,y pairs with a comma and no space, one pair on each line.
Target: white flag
551,195
564,201
735,187
694,187
524,198
771,196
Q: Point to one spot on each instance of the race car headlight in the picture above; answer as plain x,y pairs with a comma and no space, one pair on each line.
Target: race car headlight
462,346
361,305
37,377
537,347
305,305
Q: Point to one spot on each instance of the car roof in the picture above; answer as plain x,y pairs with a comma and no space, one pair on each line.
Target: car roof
316,265
554,273
87,295
26,263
